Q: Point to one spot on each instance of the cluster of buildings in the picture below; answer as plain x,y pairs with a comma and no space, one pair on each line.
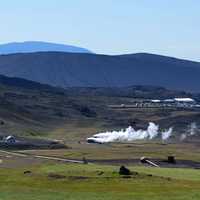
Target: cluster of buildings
159,103
175,102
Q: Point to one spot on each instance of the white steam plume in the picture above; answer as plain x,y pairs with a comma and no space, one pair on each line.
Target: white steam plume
191,131
193,128
166,134
183,136
130,134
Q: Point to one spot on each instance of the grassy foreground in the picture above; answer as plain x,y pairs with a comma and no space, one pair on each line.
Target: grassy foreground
96,182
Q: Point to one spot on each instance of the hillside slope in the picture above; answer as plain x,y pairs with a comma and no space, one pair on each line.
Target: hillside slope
33,109
91,70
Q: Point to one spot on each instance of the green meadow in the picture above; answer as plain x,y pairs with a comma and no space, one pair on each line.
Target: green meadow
98,182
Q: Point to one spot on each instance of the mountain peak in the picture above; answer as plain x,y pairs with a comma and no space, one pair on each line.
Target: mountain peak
39,46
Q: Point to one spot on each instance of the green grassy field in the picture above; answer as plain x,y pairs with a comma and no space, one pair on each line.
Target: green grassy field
52,114
96,182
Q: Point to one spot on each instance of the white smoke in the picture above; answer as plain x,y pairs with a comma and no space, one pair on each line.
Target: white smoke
167,134
130,134
193,128
183,136
191,131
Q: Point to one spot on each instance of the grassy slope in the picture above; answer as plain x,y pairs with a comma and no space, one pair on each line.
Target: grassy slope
83,182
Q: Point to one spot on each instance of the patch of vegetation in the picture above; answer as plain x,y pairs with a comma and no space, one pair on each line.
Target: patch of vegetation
73,181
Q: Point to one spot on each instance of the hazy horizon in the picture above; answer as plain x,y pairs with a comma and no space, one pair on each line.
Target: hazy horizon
106,27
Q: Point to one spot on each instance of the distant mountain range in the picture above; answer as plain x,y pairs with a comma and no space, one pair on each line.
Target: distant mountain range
92,70
34,46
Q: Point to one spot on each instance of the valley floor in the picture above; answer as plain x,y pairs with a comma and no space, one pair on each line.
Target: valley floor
97,182
25,176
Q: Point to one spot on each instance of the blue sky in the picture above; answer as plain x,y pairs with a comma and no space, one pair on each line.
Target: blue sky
168,27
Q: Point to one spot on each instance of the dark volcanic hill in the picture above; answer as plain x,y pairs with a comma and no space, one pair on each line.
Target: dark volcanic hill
91,70
34,109
36,46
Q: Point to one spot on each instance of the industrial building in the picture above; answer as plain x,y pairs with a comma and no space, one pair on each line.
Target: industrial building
160,103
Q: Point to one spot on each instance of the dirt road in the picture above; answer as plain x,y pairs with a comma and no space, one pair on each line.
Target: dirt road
11,153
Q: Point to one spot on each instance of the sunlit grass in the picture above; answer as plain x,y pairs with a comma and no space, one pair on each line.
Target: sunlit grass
85,182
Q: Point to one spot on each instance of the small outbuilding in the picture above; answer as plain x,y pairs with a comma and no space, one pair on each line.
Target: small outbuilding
10,139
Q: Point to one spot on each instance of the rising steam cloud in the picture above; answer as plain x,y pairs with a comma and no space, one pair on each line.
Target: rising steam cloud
191,131
130,134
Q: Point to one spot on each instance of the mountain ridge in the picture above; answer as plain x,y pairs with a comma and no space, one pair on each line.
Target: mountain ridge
39,46
92,70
